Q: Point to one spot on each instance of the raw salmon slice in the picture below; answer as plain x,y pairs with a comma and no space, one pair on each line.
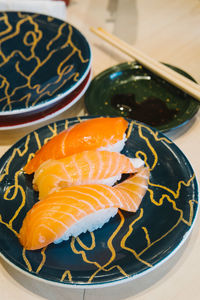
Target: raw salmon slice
88,135
87,167
49,220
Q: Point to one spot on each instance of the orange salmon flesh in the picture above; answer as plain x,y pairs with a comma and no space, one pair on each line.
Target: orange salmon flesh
87,135
50,218
87,167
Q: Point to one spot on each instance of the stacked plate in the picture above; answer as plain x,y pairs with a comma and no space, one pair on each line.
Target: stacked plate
45,68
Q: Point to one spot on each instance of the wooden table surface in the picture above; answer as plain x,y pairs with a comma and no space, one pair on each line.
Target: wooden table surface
169,31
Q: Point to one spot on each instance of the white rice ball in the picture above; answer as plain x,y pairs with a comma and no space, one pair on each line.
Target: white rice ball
89,223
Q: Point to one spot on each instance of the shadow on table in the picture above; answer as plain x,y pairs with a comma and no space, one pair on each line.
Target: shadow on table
41,288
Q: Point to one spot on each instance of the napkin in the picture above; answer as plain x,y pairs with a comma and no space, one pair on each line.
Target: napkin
57,9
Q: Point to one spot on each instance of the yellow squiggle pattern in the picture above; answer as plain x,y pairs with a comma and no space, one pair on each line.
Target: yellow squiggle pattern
26,260
84,246
147,236
32,33
111,248
154,134
175,225
43,260
130,128
166,194
13,156
113,253
8,226
175,194
68,274
149,145
126,236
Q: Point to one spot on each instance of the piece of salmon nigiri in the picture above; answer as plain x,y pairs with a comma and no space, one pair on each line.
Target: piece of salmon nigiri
87,167
73,210
97,133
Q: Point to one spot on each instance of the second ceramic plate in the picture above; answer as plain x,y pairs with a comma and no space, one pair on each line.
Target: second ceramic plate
36,117
132,91
42,60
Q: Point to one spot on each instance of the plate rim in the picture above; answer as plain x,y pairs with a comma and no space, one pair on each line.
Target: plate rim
52,114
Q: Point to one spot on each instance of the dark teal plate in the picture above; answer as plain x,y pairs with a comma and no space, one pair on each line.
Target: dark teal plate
42,60
128,246
134,92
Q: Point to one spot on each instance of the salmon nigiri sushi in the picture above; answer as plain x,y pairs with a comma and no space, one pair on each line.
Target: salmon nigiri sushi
87,167
73,210
98,133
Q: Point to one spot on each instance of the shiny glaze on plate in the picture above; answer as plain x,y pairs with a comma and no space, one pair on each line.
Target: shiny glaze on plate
152,111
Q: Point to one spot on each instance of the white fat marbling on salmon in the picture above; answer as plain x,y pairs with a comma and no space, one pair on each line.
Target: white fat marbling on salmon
90,196
60,222
91,167
108,169
100,165
42,238
101,193
62,146
130,191
116,147
138,184
65,171
116,197
77,199
116,166
79,172
64,213
56,205
64,140
127,196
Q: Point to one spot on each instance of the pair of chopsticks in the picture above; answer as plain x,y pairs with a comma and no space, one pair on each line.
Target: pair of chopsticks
176,79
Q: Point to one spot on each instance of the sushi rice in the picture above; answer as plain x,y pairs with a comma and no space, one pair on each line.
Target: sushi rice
89,223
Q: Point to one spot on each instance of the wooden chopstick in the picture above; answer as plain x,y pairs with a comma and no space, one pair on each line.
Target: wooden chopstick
176,79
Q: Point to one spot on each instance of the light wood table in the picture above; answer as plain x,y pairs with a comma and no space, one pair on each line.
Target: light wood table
169,31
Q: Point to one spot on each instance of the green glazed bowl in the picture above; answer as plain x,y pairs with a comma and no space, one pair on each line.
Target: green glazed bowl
130,90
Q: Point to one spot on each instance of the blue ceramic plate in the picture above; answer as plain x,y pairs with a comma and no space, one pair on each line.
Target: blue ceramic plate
128,246
132,91
42,60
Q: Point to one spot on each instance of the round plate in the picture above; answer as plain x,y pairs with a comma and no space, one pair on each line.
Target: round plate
132,91
42,60
21,120
126,247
